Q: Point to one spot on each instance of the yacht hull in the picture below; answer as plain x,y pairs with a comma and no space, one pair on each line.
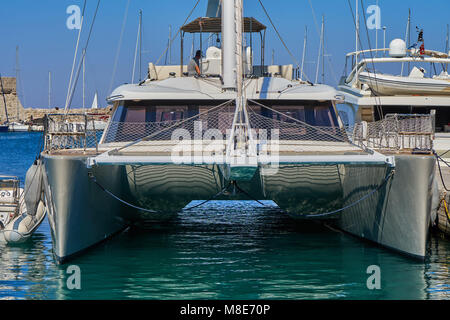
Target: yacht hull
87,206
394,85
399,215
80,215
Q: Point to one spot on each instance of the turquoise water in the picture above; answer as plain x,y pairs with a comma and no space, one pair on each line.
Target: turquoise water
224,250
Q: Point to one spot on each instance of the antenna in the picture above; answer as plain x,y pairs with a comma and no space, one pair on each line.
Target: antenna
384,40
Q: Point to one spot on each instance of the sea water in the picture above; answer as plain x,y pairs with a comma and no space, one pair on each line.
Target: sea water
222,250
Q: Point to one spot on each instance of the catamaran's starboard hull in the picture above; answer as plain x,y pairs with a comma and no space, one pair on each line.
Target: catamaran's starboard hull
397,217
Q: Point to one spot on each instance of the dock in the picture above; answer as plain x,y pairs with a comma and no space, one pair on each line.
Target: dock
442,147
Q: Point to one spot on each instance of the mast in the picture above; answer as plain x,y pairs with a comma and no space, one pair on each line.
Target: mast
320,49
49,89
357,34
376,38
84,79
17,83
304,52
407,40
140,46
138,41
4,99
447,48
384,40
229,43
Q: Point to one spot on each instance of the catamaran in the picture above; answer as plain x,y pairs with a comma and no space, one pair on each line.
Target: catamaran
237,131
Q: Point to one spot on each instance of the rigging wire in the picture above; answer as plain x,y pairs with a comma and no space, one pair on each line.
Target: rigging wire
116,60
379,106
67,107
76,53
364,56
178,32
318,33
281,38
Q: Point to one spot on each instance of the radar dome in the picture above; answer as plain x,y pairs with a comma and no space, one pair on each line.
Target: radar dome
397,48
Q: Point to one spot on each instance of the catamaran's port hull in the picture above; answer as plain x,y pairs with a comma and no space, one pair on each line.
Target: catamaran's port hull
82,209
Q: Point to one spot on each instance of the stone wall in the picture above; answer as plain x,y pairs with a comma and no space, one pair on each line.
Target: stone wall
16,111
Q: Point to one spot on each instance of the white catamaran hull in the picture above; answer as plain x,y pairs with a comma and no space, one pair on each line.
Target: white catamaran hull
87,211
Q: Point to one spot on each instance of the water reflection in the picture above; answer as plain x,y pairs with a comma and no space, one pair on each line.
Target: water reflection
226,250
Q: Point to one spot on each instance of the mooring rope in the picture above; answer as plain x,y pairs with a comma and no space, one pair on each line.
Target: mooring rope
331,213
153,211
234,183
440,170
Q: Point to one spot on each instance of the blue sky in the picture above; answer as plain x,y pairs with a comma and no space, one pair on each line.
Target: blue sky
46,44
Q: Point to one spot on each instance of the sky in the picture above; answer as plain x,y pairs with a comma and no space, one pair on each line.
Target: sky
46,44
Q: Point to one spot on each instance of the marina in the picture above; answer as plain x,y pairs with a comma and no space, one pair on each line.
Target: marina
225,177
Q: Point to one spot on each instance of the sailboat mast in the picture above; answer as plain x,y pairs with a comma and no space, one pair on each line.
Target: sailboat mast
357,34
320,50
84,79
376,37
140,46
17,82
49,89
408,27
305,40
447,48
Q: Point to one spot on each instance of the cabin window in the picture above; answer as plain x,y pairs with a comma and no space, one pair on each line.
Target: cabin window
315,114
136,114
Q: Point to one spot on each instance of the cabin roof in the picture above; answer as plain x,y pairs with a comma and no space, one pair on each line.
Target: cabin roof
214,25
190,88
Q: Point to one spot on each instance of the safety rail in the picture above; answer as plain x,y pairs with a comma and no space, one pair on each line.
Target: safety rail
70,131
397,133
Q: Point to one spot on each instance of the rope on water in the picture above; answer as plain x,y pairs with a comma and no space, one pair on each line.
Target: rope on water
331,213
234,183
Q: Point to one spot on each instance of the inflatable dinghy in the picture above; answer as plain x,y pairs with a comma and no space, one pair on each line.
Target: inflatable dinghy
21,210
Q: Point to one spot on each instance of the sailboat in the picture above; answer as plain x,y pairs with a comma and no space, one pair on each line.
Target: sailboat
235,131
95,102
